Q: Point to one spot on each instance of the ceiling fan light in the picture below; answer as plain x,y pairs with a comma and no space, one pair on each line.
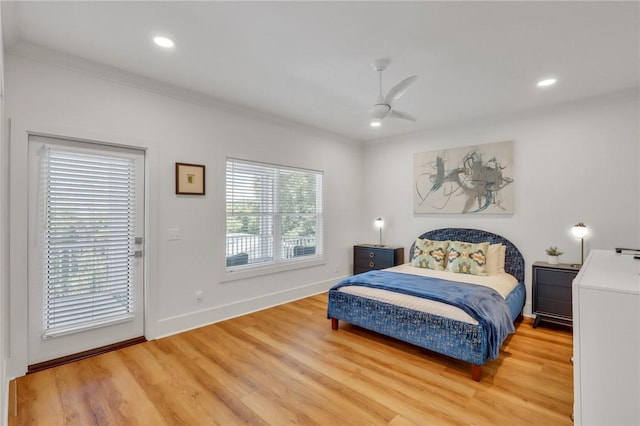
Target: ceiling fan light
379,111
547,82
376,122
165,42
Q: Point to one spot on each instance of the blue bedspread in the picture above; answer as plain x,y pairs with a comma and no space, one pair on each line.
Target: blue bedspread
481,303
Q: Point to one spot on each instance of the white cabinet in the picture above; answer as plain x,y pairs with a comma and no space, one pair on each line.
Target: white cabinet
606,340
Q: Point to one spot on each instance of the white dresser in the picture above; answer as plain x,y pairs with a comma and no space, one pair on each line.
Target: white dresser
606,340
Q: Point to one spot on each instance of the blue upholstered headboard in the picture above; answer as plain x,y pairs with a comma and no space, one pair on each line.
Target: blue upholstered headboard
514,262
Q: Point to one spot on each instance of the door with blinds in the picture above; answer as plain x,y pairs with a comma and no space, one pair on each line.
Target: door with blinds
86,260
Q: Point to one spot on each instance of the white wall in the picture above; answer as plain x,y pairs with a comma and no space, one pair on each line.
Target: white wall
4,240
54,99
574,162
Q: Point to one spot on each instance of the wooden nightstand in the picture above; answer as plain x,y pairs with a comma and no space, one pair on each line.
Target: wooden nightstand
552,292
367,257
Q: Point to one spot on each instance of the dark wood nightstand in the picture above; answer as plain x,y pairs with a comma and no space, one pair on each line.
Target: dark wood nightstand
552,292
367,257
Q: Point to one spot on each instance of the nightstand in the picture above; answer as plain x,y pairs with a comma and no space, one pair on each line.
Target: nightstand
367,257
552,292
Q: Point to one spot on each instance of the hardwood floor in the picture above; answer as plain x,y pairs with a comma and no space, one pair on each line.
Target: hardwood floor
285,365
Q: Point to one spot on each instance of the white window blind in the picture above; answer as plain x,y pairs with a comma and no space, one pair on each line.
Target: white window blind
274,213
89,241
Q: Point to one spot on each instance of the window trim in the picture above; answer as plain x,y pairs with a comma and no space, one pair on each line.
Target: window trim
232,273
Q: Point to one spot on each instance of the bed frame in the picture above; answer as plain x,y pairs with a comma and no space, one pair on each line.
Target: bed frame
459,340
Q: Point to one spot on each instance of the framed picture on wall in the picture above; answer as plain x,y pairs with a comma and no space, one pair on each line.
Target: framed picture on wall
189,179
473,179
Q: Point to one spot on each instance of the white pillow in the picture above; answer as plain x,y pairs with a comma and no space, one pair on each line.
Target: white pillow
495,258
503,255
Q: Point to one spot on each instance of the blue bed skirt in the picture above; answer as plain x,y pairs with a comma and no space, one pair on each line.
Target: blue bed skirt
460,340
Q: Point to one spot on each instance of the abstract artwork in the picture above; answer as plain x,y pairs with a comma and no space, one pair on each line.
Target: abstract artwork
473,179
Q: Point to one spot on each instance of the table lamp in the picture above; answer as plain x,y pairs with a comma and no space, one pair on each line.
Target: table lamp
379,224
580,230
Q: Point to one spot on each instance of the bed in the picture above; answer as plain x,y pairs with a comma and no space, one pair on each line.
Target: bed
434,324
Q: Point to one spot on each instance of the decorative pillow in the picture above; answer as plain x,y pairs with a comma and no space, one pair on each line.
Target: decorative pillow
467,258
493,258
430,254
503,256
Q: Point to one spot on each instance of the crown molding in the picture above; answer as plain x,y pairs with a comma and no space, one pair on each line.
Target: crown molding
60,59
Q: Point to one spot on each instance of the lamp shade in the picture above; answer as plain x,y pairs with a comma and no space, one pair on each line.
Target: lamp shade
579,230
379,224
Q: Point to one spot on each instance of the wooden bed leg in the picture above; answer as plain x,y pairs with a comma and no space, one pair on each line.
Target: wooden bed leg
334,324
476,372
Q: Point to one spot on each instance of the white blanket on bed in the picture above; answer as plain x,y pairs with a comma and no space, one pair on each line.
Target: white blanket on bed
503,283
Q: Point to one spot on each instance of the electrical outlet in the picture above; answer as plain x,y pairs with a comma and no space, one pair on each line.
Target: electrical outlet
173,234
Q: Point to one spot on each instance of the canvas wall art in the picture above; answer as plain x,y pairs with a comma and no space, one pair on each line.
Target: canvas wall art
471,180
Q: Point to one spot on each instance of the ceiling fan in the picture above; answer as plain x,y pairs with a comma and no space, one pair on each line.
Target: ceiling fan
384,105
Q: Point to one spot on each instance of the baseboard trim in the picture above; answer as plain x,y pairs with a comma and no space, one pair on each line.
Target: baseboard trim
34,368
5,393
181,323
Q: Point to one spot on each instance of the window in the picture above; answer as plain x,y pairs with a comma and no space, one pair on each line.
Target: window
274,214
89,240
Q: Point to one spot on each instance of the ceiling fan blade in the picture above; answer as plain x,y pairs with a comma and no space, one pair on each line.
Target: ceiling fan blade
402,115
399,89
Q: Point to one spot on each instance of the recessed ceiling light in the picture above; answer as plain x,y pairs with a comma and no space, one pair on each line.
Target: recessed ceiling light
376,122
547,82
163,42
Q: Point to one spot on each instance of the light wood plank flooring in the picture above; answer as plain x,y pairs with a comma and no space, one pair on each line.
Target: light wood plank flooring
285,365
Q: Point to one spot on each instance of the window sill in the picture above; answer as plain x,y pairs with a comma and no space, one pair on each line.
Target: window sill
242,272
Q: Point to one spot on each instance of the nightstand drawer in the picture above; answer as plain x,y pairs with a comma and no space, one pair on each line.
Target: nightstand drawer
555,277
555,292
372,264
369,254
554,307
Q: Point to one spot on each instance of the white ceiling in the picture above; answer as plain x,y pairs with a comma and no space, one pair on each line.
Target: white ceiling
310,62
